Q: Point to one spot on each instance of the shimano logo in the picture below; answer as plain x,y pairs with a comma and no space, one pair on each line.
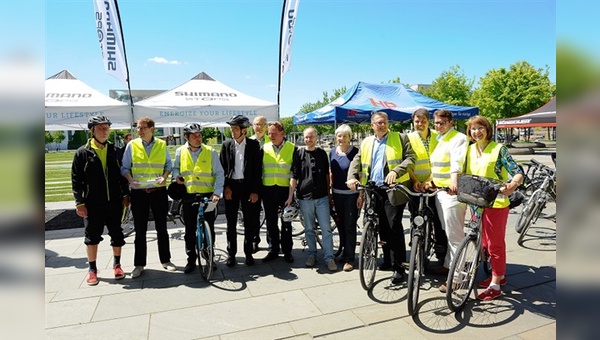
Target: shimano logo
68,95
206,94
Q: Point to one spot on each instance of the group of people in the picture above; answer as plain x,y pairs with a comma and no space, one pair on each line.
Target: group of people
269,170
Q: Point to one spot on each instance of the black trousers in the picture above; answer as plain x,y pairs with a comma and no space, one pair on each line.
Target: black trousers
141,203
274,198
441,240
391,230
99,215
345,206
240,195
190,219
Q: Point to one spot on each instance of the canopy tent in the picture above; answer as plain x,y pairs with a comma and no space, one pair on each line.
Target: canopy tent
397,100
70,102
545,116
202,100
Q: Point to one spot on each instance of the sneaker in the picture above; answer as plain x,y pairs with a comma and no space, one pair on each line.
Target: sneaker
169,266
92,278
486,283
310,262
348,267
137,271
331,265
397,278
119,273
489,294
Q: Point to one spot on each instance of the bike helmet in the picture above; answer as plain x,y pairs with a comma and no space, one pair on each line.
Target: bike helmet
176,191
239,120
95,120
192,128
289,213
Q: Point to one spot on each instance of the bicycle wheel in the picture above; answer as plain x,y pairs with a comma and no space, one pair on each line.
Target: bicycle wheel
526,214
204,251
127,222
529,218
367,261
298,225
461,276
415,271
239,228
487,263
180,212
338,247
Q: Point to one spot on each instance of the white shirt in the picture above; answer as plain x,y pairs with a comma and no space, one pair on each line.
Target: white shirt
457,148
238,165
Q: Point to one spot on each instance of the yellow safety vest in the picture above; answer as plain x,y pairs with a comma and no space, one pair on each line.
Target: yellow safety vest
440,161
277,168
145,168
198,177
393,153
422,168
484,166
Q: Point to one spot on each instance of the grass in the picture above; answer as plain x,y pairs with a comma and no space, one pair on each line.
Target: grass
58,173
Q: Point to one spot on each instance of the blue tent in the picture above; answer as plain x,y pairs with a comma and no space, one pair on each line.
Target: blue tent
397,100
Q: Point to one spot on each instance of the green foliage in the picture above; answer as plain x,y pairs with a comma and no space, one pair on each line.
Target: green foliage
506,93
48,137
451,87
58,136
78,139
210,132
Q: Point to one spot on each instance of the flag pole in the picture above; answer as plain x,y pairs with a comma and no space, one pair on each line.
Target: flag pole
126,66
280,51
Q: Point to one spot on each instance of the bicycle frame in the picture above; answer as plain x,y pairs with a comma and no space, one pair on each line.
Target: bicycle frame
367,262
204,242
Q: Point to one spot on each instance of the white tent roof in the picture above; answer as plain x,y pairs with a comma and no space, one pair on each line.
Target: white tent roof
70,102
202,100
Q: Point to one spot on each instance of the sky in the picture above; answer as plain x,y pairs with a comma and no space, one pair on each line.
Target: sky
335,43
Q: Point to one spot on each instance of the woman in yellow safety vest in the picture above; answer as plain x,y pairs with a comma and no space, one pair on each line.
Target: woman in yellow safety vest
492,160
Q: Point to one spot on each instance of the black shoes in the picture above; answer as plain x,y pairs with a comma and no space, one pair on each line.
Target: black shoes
288,258
270,257
230,261
249,260
255,248
397,278
190,267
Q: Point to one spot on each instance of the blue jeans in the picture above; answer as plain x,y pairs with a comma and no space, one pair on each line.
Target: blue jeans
318,208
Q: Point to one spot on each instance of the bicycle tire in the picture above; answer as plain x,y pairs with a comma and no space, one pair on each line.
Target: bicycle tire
525,216
298,226
415,272
180,212
127,224
240,220
461,277
528,219
487,264
367,261
204,251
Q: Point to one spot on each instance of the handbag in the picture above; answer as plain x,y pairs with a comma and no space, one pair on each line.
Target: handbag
477,190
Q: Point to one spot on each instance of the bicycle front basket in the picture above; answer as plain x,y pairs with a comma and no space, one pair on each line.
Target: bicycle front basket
477,190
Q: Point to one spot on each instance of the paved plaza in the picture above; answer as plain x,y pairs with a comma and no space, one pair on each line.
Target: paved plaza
278,300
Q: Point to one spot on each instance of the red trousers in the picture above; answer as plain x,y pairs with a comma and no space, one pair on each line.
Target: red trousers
493,234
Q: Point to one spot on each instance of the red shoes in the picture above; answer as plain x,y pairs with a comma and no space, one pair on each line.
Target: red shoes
486,283
119,273
92,278
489,294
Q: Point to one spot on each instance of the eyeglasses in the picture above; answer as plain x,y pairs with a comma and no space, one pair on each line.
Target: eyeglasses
441,123
142,127
380,123
476,129
259,124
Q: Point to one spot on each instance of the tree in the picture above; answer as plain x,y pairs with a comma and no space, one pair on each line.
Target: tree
451,87
210,132
48,137
506,93
58,137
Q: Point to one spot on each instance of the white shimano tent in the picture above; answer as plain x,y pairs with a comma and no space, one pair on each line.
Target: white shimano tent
202,100
70,102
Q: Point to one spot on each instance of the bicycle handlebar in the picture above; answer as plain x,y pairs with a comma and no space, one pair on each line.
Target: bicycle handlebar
407,191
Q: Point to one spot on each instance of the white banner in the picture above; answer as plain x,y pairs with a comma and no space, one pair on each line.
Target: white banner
108,26
287,32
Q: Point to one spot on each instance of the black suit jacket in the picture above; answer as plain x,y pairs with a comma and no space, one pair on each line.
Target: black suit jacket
253,159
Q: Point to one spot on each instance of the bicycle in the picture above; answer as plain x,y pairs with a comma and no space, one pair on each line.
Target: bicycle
367,261
470,253
422,241
204,243
538,201
297,224
533,178
175,211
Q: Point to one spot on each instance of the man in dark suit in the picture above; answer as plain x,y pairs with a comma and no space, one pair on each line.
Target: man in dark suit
241,158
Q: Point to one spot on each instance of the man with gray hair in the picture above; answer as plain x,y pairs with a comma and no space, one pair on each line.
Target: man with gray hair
310,179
